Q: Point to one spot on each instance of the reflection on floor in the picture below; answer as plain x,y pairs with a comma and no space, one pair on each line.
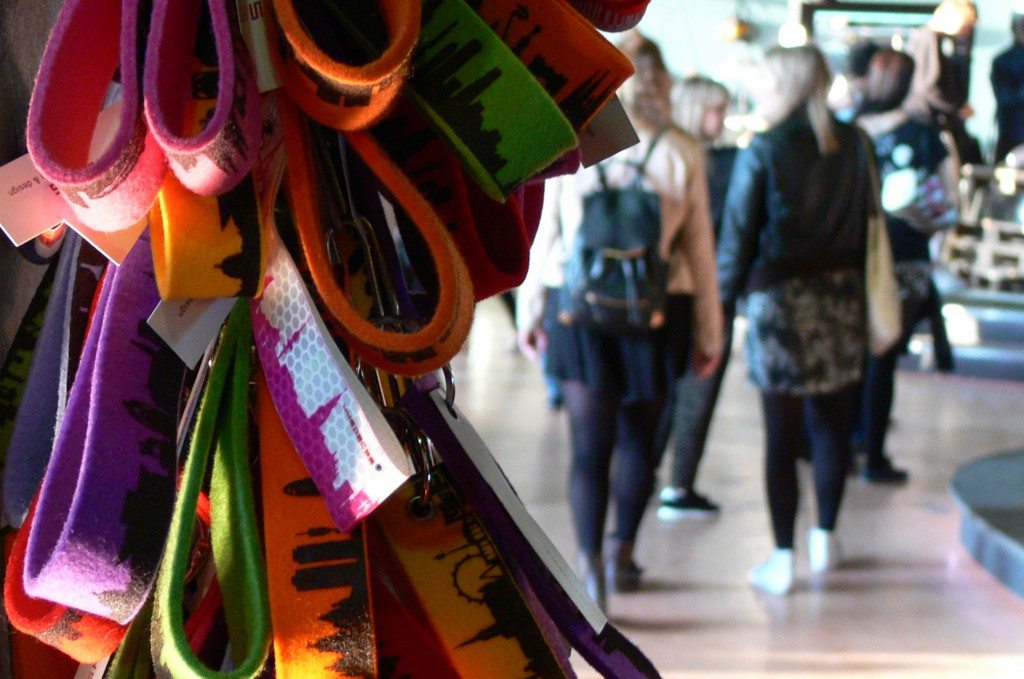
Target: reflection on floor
910,601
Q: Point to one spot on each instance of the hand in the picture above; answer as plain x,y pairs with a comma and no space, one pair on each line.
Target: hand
704,365
532,343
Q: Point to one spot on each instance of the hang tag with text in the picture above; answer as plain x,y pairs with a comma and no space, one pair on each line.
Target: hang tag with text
189,325
252,18
609,132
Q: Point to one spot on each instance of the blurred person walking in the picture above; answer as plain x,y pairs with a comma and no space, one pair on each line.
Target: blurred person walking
793,243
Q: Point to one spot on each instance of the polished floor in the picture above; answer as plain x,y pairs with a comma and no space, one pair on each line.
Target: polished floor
909,601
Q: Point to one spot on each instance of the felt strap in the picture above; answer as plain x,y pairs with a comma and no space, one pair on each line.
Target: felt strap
607,650
330,88
114,458
577,66
18,363
92,39
406,353
319,585
490,236
612,15
85,637
454,571
345,444
53,367
132,659
222,424
219,154
487,106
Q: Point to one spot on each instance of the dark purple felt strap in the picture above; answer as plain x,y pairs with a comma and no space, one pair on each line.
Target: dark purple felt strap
105,503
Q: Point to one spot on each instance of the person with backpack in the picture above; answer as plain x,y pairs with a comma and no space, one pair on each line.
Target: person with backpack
612,238
793,243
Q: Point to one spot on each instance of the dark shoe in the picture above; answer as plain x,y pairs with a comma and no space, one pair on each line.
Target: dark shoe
689,505
884,472
592,573
623,575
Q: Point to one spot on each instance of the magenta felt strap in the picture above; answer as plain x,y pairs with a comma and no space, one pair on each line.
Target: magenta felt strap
105,502
612,15
91,40
219,156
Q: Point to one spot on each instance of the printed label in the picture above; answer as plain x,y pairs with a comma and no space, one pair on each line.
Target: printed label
189,325
608,133
252,22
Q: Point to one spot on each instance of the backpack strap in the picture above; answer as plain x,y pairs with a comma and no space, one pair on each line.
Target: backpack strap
638,166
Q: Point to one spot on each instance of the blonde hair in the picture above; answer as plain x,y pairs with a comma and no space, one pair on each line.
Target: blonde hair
691,97
803,79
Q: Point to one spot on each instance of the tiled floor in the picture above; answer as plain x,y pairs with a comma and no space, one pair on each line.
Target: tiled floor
910,601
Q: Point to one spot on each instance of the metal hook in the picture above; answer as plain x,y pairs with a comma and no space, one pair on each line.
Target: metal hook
449,389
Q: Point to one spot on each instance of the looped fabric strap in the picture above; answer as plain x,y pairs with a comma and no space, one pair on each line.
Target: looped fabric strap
577,66
612,15
90,41
405,353
341,95
106,499
346,445
85,637
319,583
221,426
217,156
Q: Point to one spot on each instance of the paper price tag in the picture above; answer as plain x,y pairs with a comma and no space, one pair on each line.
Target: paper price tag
189,325
252,22
609,132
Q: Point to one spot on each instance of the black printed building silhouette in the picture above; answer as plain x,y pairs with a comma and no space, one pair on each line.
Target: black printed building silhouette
238,206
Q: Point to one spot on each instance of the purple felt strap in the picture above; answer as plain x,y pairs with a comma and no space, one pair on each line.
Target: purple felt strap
106,499
90,41
219,156
607,650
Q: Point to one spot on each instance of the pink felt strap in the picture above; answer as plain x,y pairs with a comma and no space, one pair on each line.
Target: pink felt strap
220,155
91,41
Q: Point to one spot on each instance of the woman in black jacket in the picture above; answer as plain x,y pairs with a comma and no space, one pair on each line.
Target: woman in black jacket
792,243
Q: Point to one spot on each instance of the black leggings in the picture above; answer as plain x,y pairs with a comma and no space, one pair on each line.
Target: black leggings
599,425
825,420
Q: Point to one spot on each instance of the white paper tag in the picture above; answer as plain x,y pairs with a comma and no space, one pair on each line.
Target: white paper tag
189,325
252,22
609,132
477,452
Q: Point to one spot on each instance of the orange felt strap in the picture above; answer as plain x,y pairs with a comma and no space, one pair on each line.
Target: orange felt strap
577,66
85,637
413,353
341,95
319,591
460,585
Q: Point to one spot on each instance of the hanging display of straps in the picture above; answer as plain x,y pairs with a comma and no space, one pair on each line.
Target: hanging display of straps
327,517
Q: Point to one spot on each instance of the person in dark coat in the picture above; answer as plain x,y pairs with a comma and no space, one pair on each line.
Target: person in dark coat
1008,85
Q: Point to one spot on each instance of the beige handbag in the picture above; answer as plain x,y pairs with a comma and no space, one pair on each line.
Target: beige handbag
883,300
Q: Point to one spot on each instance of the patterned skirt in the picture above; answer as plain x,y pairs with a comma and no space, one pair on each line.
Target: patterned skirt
807,335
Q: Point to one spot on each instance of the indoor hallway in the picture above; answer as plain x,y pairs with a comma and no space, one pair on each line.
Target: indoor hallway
909,601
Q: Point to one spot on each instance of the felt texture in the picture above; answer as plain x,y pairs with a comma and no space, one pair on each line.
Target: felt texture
484,103
92,39
429,346
319,585
612,15
222,428
214,157
132,661
85,637
574,63
490,236
18,363
452,566
532,201
53,369
354,465
607,650
336,93
114,457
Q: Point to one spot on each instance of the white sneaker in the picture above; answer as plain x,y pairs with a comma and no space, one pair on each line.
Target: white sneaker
823,551
774,576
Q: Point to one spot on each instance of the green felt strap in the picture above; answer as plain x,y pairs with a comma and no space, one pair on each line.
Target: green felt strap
132,660
483,101
222,425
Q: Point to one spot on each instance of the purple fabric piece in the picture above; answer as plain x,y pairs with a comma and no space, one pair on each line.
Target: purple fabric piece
32,436
105,505
608,651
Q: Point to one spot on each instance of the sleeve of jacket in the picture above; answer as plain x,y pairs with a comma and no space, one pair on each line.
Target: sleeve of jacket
742,220
1006,84
530,294
698,242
